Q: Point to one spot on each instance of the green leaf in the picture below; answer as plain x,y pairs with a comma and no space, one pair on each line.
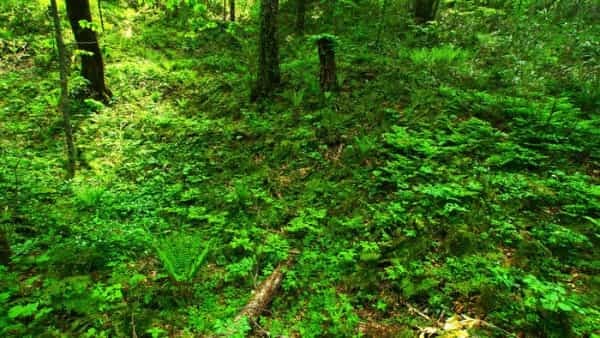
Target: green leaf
565,307
20,311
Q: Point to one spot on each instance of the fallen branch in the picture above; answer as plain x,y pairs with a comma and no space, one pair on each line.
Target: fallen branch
461,322
263,295
133,332
491,326
417,311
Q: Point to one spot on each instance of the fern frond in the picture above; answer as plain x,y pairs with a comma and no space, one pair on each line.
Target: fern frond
182,255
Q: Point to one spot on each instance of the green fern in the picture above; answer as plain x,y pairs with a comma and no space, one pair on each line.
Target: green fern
181,255
446,54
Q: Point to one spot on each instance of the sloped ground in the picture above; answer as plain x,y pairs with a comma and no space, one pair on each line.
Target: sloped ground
455,172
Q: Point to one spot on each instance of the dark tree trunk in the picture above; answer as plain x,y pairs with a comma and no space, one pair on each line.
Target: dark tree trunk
425,10
64,105
327,74
268,51
300,16
232,10
5,252
92,66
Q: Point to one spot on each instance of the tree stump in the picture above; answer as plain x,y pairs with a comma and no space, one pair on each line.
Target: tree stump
327,73
425,10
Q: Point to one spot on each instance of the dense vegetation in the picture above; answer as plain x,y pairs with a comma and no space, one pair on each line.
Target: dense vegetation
433,170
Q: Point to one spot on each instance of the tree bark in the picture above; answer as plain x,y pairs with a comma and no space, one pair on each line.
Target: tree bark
300,16
327,74
92,66
263,294
232,10
425,10
5,251
64,104
269,75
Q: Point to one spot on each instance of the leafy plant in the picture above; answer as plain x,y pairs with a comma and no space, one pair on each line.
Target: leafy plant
182,255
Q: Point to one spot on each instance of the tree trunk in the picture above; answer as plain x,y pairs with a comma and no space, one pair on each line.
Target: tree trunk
425,10
381,25
269,75
5,251
232,10
64,105
330,14
300,16
92,66
327,74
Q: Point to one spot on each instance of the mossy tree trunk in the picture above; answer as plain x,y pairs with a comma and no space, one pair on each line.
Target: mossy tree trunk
425,10
327,73
300,16
64,104
92,65
269,75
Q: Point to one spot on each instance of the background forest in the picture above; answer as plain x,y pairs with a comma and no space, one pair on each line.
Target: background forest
374,168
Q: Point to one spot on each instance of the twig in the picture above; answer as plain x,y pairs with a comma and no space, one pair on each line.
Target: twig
464,317
260,328
133,333
491,326
17,185
417,311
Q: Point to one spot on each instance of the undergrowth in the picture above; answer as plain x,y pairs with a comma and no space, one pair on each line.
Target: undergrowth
456,170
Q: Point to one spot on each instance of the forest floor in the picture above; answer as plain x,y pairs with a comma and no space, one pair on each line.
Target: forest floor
454,176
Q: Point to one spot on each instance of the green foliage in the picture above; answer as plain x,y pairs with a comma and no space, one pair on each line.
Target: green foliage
182,255
438,56
22,311
456,170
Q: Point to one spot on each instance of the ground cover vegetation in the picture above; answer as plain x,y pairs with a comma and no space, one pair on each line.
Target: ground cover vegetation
374,168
